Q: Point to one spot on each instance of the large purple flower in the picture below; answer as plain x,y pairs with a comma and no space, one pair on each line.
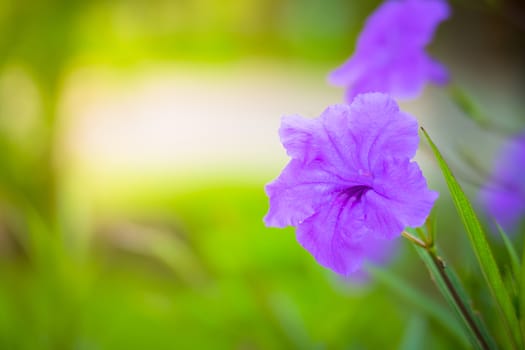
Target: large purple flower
350,185
503,195
389,56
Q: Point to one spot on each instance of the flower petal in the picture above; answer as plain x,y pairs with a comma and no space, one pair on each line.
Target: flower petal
437,72
400,199
389,55
503,196
350,185
403,23
506,206
334,236
339,239
298,192
321,139
298,136
378,130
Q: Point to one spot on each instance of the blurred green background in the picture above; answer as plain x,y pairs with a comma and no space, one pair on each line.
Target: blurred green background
135,141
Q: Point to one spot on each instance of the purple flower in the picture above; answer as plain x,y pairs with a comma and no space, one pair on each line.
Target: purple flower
390,55
350,186
503,196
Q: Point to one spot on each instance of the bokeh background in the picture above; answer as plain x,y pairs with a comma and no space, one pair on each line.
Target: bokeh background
135,141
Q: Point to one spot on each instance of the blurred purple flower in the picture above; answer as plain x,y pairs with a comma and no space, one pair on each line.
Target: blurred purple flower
390,55
503,196
350,185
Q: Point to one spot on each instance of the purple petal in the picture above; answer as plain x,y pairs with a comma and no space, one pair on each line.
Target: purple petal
507,207
503,195
380,251
298,192
339,238
298,136
437,73
349,140
389,55
378,129
350,185
345,232
401,198
375,252
403,23
318,139
334,236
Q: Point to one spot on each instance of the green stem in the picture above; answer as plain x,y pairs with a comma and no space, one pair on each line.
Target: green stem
440,266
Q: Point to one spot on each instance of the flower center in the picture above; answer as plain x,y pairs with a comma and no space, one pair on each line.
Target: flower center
356,192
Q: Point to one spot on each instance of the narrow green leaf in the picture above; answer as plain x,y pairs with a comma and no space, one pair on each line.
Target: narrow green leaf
415,337
287,316
481,247
432,228
522,291
472,110
422,302
429,234
465,103
513,255
449,286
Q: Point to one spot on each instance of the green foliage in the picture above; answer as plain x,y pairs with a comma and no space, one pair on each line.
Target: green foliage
465,103
481,248
415,334
514,260
423,303
192,269
164,268
455,295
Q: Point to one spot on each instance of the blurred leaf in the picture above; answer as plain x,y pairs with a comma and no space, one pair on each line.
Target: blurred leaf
422,302
469,107
430,226
415,334
513,255
521,294
480,245
290,320
465,103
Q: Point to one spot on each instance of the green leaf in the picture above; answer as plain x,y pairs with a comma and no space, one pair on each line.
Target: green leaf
453,292
421,301
513,255
481,248
415,334
471,109
522,291
467,105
